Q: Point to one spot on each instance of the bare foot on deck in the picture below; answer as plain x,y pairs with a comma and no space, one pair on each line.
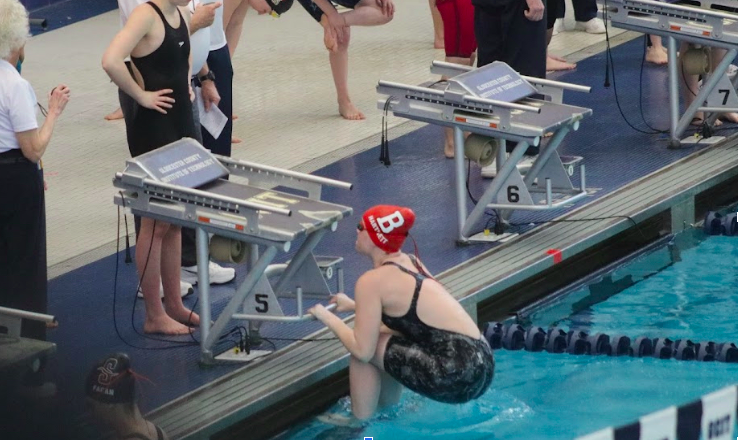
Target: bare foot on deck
330,39
165,325
656,56
729,117
448,149
117,114
235,140
349,111
554,63
184,315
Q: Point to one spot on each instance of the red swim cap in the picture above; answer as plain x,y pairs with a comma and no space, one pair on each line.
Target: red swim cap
388,226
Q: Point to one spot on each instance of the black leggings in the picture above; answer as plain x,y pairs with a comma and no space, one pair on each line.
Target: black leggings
452,368
23,244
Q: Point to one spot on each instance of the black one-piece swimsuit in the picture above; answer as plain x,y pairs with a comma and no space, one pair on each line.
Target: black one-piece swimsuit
442,365
167,67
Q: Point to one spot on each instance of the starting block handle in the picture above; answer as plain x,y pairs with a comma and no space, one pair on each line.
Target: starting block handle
33,316
287,173
557,84
708,12
503,104
207,195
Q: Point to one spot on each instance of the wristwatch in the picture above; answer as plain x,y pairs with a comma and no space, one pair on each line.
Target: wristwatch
210,76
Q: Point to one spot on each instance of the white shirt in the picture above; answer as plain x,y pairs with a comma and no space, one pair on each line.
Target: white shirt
217,33
126,8
17,106
199,43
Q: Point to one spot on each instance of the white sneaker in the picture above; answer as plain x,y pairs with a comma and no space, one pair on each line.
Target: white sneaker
185,289
218,274
558,26
523,166
593,26
732,71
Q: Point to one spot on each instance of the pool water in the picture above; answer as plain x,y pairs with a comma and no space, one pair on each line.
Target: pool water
684,289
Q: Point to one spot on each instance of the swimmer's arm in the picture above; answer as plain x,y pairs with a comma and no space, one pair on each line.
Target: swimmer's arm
139,24
361,341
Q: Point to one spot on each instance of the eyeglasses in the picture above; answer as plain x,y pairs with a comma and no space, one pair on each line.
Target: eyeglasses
360,227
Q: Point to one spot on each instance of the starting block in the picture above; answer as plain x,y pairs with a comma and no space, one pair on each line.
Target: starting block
184,184
497,103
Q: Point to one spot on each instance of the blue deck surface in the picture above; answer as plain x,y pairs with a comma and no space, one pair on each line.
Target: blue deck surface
419,177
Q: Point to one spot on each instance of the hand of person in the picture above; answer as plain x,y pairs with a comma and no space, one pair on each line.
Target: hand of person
260,6
58,99
535,10
343,303
337,21
204,15
319,311
210,95
157,100
387,6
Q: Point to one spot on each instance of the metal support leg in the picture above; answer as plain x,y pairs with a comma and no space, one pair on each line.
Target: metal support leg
203,280
545,154
307,247
699,100
461,208
257,271
495,187
673,90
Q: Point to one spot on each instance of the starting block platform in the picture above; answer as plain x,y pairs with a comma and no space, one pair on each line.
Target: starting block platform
498,105
703,24
184,184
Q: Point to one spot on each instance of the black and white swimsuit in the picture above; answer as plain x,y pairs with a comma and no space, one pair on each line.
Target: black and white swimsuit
440,364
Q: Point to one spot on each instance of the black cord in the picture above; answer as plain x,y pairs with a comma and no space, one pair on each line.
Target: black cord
640,104
384,148
610,67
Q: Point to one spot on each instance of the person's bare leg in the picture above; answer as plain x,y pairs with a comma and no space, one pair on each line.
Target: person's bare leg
438,42
366,13
171,259
339,68
717,57
117,114
448,147
148,263
234,13
656,54
553,62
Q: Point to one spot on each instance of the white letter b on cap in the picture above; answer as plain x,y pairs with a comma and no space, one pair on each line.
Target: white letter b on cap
388,223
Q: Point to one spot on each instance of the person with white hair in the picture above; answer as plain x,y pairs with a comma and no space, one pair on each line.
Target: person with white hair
22,210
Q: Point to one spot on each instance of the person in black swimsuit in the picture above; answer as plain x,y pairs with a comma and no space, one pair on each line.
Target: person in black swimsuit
157,39
110,388
408,330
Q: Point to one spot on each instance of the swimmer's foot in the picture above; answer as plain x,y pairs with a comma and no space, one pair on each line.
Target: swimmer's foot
235,140
234,117
340,420
554,63
118,114
349,111
165,325
183,315
330,39
656,56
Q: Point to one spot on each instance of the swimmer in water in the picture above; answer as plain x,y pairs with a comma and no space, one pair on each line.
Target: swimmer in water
408,330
